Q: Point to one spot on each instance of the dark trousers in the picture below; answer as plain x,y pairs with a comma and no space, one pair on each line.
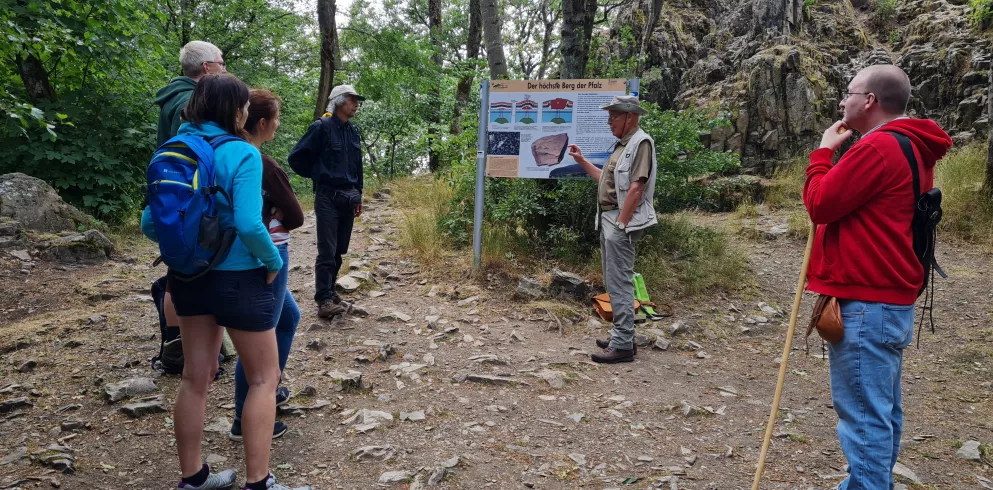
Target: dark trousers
334,230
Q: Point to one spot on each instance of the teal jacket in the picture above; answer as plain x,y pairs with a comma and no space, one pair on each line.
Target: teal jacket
238,170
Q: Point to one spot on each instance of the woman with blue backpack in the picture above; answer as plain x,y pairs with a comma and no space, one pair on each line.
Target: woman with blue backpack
205,209
281,213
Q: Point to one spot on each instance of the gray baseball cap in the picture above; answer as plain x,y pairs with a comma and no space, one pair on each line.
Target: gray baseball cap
625,103
344,90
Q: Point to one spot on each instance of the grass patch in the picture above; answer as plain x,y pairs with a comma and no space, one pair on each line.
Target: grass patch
798,224
679,258
968,213
421,202
746,209
786,190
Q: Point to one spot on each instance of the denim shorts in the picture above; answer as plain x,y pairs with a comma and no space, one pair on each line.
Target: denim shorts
237,299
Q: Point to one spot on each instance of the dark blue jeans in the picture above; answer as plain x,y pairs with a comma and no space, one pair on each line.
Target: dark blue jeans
286,316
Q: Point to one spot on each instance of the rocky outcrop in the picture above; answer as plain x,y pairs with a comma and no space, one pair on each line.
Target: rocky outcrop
36,205
777,67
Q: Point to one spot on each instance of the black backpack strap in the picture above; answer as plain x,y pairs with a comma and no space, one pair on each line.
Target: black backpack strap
908,152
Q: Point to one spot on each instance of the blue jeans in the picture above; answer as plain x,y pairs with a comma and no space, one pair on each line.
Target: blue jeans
286,315
866,367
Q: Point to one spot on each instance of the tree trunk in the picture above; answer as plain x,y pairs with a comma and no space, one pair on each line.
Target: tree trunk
434,24
577,33
490,12
988,185
185,14
646,35
546,41
35,79
329,53
472,54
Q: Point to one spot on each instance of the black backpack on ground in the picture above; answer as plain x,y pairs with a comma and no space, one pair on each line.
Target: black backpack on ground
927,215
170,359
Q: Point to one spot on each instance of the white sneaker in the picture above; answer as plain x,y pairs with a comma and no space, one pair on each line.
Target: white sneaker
271,484
215,481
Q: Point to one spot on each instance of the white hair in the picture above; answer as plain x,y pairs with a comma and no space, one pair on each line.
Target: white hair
337,102
194,54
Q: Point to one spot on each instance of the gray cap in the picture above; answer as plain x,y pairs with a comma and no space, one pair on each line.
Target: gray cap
625,103
344,90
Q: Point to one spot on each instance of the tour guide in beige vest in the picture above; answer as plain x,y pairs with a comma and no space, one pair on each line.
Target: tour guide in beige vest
624,211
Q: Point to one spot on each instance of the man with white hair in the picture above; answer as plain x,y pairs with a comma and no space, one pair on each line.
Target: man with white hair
625,210
330,154
197,58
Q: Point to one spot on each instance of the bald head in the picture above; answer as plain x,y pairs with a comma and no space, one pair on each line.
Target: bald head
889,84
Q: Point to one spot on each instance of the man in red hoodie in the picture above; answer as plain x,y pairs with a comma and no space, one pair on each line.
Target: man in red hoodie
863,255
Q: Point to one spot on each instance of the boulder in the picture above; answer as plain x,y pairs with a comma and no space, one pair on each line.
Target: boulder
36,205
529,289
569,285
89,247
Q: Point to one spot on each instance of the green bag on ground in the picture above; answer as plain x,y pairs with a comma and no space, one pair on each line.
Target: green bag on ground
227,347
641,294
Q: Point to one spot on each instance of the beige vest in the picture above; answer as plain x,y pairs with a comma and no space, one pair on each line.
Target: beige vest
644,214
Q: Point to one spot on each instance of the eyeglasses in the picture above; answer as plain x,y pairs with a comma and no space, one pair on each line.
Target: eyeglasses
846,95
611,117
223,64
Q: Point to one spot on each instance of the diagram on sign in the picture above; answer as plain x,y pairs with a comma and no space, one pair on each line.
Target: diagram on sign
527,111
556,111
500,112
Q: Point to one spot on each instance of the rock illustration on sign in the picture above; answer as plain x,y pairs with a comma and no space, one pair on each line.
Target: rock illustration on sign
549,150
500,112
527,111
557,111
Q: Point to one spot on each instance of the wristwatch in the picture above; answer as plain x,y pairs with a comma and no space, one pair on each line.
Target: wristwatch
621,226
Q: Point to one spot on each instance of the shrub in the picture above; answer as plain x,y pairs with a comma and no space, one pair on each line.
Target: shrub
981,13
968,212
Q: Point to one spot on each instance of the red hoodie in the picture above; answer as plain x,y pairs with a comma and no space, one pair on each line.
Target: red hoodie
864,249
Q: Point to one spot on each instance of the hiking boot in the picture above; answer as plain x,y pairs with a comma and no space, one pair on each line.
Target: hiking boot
222,480
329,309
613,356
282,396
605,343
278,429
270,484
335,298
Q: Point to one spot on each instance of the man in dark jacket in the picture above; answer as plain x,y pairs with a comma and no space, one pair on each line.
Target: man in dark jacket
863,255
330,154
197,58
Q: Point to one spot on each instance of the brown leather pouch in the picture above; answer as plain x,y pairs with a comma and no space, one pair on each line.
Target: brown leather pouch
826,318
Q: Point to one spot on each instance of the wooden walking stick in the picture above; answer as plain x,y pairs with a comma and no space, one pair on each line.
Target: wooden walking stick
786,356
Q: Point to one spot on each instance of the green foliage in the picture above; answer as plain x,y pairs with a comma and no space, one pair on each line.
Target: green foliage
681,156
93,136
92,139
981,13
885,11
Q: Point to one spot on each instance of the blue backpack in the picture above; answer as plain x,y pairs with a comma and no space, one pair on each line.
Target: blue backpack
182,201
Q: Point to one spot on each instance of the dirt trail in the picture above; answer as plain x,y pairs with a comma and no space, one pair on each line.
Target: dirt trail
550,420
